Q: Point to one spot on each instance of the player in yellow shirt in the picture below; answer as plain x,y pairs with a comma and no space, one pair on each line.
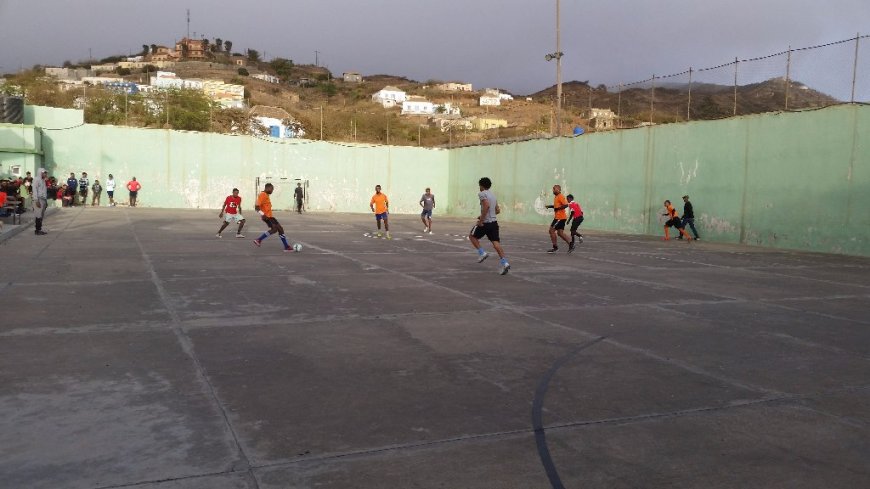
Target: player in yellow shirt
560,203
380,205
264,209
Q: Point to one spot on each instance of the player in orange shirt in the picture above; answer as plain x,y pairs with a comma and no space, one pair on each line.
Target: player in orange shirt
560,203
673,220
380,205
264,209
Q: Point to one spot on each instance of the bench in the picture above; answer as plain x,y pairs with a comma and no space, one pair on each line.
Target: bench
10,209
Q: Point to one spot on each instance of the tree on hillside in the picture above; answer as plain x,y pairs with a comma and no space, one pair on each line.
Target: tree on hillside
253,55
145,50
185,50
283,67
708,109
189,110
204,43
228,45
218,44
153,49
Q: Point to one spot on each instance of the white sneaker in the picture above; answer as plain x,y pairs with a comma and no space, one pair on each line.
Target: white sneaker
505,269
426,230
239,235
218,235
388,236
430,232
379,234
482,257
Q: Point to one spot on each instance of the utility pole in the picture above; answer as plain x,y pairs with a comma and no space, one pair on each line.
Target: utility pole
188,23
558,57
316,58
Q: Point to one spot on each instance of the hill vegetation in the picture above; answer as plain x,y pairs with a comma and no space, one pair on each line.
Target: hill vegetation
331,109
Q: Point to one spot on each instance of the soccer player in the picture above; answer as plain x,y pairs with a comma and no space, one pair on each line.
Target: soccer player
689,217
264,209
575,219
299,194
560,203
133,186
380,205
487,225
427,202
673,220
232,213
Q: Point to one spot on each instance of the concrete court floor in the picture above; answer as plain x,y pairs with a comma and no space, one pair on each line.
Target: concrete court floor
137,350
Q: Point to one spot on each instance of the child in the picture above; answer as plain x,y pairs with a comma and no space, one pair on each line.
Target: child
98,190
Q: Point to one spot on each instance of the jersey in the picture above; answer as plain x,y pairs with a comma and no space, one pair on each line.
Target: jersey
265,204
133,186
381,202
232,204
488,196
428,201
559,201
575,209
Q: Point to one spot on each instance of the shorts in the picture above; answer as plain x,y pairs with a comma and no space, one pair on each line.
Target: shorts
134,193
427,213
83,192
675,222
231,218
110,193
558,223
380,216
271,222
488,229
576,223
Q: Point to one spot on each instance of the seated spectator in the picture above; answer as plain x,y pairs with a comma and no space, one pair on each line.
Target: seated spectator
65,196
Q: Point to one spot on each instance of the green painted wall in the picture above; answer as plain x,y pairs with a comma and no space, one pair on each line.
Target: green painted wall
20,146
789,180
198,170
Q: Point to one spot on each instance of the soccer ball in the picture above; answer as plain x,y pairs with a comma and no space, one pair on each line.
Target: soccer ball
297,247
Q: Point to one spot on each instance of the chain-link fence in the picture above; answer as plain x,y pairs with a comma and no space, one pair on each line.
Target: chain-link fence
794,79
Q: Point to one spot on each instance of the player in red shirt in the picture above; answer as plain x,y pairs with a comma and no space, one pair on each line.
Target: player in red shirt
576,218
231,212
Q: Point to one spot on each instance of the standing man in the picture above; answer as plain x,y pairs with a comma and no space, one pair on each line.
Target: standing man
560,203
232,213
487,225
110,190
264,209
380,205
427,202
84,185
689,217
133,186
71,186
577,218
299,195
98,192
40,199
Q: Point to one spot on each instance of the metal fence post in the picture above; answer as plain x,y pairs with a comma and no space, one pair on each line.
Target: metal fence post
855,66
735,86
689,104
787,76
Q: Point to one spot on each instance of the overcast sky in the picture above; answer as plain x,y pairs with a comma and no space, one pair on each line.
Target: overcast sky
490,43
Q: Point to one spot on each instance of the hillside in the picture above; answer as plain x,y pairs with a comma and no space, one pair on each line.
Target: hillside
331,109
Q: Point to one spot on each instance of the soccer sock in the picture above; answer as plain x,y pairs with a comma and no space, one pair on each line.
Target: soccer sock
480,251
263,236
284,240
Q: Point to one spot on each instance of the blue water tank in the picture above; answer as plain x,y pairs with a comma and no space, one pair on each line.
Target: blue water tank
578,131
275,131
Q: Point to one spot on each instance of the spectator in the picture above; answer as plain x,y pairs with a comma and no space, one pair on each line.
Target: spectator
110,190
67,197
98,191
84,185
133,186
72,184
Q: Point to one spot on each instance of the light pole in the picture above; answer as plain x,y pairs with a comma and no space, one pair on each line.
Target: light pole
558,57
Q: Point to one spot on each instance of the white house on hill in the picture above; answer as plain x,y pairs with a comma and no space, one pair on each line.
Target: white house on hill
389,96
417,106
